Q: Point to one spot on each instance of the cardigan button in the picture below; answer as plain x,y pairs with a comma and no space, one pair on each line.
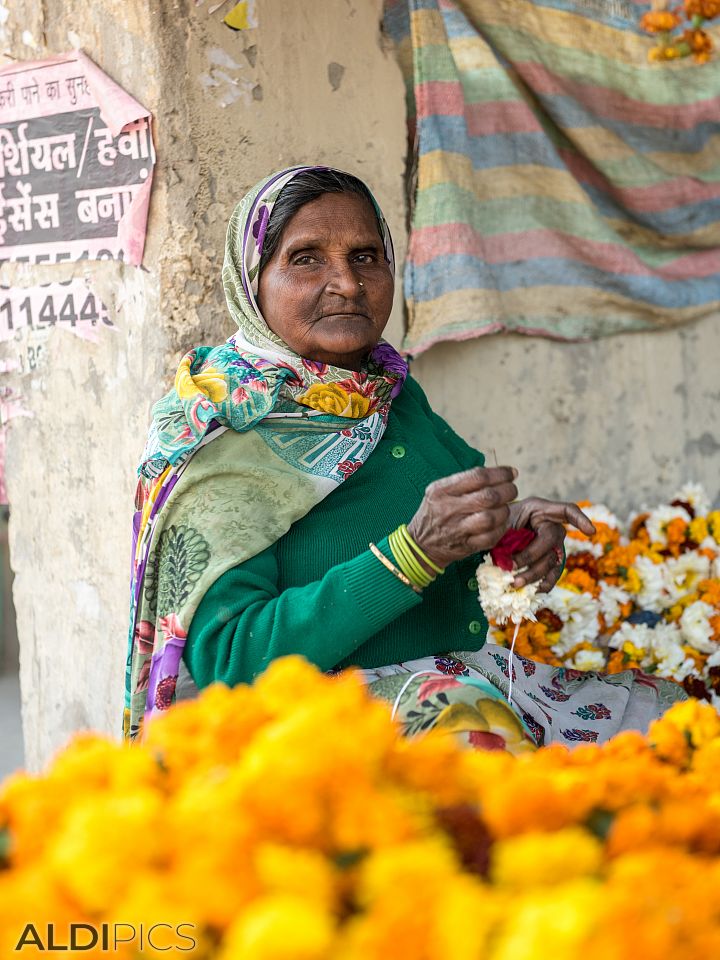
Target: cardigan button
475,627
398,452
472,583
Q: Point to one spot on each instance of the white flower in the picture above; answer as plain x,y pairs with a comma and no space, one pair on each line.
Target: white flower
588,660
695,626
694,494
653,594
575,545
683,573
658,648
500,600
599,513
659,518
579,614
610,599
670,660
638,634
713,660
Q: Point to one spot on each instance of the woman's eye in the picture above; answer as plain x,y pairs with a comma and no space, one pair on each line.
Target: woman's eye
303,260
365,258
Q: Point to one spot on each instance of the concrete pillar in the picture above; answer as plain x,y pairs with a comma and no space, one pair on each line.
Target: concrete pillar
313,82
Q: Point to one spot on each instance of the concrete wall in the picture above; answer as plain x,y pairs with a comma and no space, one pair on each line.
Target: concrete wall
622,420
625,420
228,108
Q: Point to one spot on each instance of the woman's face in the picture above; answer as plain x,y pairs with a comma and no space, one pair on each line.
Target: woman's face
328,290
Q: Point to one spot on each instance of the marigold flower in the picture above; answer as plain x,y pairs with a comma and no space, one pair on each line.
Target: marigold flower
700,44
542,860
281,927
659,21
707,9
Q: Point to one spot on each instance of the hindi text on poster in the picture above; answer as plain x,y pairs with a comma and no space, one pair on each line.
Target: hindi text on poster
76,163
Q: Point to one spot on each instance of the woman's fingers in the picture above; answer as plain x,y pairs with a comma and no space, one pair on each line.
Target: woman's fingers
464,513
485,523
577,519
549,537
539,570
471,481
569,513
497,495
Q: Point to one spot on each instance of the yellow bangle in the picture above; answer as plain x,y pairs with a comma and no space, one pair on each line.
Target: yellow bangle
392,568
407,561
405,533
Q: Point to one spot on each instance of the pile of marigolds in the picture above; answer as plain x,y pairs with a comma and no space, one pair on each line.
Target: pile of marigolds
291,821
644,595
680,31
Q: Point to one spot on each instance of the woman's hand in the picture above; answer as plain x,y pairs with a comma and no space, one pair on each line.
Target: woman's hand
543,558
464,513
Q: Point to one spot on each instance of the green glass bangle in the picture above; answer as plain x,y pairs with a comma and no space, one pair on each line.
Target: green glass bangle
407,562
405,533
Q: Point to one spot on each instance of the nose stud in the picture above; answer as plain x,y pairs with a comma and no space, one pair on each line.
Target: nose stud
360,283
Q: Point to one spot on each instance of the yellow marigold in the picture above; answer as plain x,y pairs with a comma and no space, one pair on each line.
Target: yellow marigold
633,582
32,895
686,726
213,730
154,897
698,529
280,927
297,872
105,840
713,522
209,382
331,398
560,922
542,859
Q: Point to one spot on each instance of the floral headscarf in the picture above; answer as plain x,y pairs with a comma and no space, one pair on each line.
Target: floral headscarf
219,480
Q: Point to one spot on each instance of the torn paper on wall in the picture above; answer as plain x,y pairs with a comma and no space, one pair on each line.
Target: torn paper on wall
243,16
28,314
76,164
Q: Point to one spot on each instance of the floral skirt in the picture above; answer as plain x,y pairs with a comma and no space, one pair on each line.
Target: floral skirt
466,693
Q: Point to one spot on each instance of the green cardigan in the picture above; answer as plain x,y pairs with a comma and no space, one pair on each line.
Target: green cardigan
320,592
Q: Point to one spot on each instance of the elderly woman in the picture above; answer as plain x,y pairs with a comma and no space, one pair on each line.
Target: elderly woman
297,494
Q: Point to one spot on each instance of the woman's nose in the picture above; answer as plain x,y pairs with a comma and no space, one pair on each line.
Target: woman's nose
342,279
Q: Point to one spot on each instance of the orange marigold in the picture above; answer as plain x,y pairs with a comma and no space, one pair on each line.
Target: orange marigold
707,9
659,21
700,44
709,591
579,581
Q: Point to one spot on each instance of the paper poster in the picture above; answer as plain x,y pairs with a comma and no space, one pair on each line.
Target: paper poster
243,16
72,305
76,164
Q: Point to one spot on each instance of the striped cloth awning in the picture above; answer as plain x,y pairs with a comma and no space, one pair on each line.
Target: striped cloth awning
564,186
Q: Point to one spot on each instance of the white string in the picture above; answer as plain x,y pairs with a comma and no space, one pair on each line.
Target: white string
510,662
404,687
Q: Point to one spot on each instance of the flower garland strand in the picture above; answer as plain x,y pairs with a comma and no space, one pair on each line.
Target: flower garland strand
644,595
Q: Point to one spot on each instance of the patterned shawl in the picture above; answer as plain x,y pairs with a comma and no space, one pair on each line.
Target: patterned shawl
285,432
